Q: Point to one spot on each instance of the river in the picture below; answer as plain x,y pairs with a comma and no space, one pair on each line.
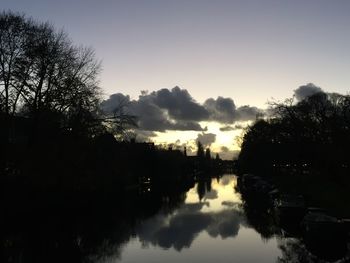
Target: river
206,221
209,226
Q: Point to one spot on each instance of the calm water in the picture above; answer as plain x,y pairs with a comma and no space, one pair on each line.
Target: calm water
209,226
204,222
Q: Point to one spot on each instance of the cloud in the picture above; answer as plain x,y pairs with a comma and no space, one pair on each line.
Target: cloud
239,126
143,135
175,109
206,138
306,90
153,114
114,101
231,127
221,110
227,128
247,113
224,110
151,117
179,104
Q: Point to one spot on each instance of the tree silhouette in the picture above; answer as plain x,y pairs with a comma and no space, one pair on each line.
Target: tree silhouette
200,149
312,133
207,154
121,123
44,76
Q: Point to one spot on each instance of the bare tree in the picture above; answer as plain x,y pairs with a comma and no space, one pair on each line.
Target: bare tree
120,122
12,46
41,71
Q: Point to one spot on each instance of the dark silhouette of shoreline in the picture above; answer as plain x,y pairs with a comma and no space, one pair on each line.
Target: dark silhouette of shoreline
68,185
303,149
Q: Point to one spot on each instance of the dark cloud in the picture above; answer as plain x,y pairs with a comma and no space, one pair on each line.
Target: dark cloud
114,101
306,90
206,138
221,110
175,109
227,128
231,127
152,115
179,104
224,110
247,113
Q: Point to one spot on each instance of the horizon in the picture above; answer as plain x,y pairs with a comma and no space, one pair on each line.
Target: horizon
248,53
175,131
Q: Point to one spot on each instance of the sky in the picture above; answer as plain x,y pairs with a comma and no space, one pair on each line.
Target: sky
249,51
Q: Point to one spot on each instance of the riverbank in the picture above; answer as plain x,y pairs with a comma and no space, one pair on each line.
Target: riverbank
318,191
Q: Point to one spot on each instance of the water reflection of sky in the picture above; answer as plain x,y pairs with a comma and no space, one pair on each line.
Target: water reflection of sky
207,230
221,195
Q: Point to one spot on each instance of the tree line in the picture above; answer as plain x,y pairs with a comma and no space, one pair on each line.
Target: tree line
312,135
44,77
49,89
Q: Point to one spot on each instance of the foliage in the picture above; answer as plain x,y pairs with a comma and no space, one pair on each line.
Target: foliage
311,134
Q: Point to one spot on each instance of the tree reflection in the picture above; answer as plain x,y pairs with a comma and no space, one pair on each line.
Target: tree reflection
296,247
203,187
84,234
160,218
97,233
293,251
261,221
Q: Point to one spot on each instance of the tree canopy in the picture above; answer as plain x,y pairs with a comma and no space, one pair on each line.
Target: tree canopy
314,132
43,75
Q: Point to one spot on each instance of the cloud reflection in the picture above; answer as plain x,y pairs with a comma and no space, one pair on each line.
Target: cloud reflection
178,231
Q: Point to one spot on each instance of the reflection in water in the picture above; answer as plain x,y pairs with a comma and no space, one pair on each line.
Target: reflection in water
204,223
210,225
295,251
295,243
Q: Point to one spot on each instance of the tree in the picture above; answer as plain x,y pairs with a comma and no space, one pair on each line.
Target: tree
207,154
44,76
312,133
120,122
200,149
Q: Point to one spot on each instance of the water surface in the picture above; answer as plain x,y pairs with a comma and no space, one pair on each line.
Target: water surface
206,221
210,225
